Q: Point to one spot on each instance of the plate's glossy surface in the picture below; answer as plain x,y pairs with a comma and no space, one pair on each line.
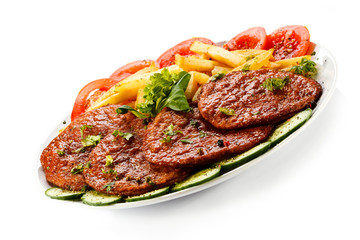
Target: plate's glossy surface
326,77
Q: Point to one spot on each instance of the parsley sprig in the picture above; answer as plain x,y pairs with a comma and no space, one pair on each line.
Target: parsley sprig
275,83
306,68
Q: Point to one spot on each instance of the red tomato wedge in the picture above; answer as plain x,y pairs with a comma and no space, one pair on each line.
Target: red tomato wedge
253,38
130,69
103,84
289,41
168,57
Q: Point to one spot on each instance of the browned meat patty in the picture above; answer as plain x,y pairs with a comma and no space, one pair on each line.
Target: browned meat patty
186,139
64,159
118,165
250,103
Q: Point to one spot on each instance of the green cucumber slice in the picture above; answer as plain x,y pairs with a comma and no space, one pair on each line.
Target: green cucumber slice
63,194
148,195
245,157
289,126
95,198
198,178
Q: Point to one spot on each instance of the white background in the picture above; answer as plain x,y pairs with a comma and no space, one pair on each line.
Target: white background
50,49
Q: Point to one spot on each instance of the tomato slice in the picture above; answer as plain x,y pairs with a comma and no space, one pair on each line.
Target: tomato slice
289,41
80,104
104,84
253,38
130,69
168,57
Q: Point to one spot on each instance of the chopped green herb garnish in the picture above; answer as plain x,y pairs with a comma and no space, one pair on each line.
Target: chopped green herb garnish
78,169
60,153
256,113
110,171
166,139
108,186
227,111
91,141
246,68
79,150
250,57
125,135
186,141
275,83
109,161
194,123
82,128
171,132
306,68
202,134
216,77
88,164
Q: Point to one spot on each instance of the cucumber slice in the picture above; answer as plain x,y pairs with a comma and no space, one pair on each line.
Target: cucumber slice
198,178
289,126
95,198
62,194
148,195
245,157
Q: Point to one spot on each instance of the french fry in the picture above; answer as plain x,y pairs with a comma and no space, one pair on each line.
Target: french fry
271,65
192,63
150,69
200,78
140,96
291,61
257,62
192,87
247,52
125,90
196,95
111,91
219,69
218,53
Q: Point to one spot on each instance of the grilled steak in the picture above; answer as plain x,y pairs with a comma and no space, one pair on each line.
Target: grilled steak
118,165
250,104
186,139
64,159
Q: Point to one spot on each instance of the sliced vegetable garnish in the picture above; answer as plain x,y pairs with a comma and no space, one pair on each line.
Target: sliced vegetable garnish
95,198
149,195
289,126
253,38
197,179
165,90
63,194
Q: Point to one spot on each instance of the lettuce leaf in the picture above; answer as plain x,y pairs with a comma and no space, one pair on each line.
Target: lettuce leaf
165,90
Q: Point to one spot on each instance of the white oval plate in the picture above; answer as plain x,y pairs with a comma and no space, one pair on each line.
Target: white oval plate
327,76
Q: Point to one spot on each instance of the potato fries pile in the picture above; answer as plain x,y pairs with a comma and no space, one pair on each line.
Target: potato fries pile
211,60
